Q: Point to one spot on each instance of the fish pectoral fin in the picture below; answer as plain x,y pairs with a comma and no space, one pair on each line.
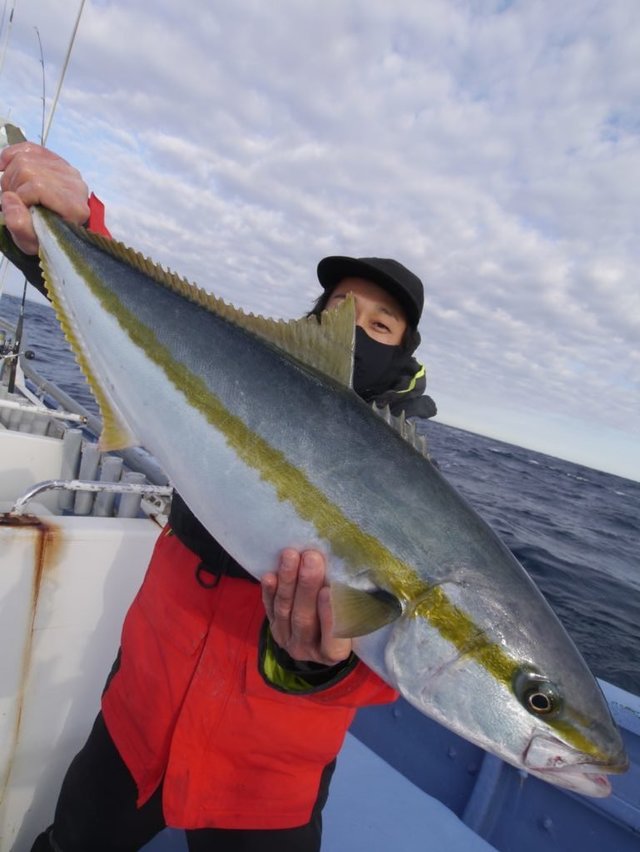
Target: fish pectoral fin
357,612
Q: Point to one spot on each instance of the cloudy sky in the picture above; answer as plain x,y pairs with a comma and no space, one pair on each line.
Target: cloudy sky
491,146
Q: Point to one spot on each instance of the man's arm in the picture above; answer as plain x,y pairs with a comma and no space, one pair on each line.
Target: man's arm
296,596
34,175
29,264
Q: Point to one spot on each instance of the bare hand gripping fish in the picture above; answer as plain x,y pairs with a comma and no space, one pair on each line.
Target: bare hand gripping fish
256,424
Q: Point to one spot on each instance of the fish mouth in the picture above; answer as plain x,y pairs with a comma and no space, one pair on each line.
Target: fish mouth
551,760
587,783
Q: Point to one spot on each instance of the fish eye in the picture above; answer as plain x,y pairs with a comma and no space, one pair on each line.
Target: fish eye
537,695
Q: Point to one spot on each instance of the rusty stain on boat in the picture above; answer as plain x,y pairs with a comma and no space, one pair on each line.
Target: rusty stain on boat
47,546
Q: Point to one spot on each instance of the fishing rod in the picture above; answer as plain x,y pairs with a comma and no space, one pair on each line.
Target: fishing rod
17,341
7,36
11,353
43,138
45,132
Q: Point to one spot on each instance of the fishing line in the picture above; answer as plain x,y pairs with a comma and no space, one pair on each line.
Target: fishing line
45,132
8,33
44,99
4,264
4,15
20,324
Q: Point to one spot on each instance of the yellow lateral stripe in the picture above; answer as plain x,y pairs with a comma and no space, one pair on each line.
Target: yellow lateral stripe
312,505
457,627
116,439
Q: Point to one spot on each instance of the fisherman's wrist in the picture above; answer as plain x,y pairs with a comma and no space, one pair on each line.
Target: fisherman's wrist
282,672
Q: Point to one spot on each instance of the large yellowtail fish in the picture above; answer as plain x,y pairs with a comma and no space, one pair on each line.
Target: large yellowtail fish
258,428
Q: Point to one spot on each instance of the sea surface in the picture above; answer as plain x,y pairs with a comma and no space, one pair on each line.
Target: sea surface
576,530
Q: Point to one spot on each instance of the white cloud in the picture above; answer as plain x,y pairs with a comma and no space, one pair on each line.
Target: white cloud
493,147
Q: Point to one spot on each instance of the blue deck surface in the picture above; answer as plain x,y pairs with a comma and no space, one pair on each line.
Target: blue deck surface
512,811
405,783
373,808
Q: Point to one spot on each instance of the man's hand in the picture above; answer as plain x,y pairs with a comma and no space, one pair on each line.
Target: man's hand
33,175
298,605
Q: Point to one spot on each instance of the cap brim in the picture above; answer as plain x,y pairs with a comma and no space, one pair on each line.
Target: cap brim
332,270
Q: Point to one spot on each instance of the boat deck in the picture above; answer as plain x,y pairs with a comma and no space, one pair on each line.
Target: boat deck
402,783
407,784
374,808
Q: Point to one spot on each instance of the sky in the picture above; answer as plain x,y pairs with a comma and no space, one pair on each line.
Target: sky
493,147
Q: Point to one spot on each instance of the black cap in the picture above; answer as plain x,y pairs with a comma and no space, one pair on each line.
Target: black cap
392,276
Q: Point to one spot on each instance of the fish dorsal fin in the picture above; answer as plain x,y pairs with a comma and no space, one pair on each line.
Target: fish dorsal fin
326,347
404,427
357,612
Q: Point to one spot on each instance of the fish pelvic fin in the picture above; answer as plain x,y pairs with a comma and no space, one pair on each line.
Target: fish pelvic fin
357,612
326,347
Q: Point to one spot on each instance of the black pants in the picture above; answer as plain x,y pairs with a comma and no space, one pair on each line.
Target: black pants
96,812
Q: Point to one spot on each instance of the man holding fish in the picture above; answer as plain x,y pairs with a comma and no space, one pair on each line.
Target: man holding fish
215,719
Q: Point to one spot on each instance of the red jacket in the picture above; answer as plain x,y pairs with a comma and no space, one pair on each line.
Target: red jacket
188,704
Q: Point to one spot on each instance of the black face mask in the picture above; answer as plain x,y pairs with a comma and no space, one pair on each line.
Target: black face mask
376,366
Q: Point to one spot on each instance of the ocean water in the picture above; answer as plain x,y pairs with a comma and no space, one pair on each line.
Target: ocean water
576,530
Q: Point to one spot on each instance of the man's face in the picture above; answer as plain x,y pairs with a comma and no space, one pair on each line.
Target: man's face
377,312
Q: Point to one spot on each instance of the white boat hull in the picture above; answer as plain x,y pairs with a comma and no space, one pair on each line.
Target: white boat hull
65,584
